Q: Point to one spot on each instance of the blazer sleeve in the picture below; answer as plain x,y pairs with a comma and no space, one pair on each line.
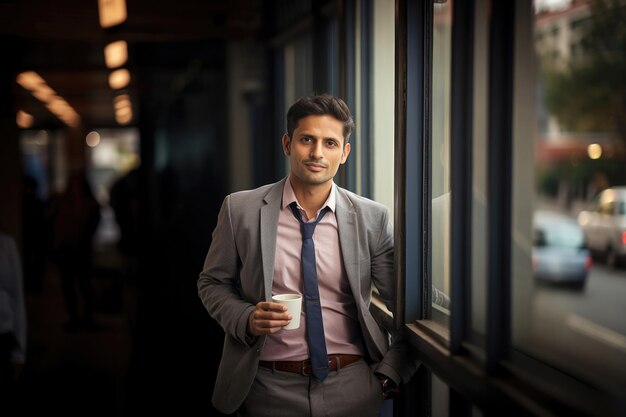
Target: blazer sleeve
397,362
218,284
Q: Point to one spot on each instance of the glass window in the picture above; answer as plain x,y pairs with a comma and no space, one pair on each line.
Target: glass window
555,31
568,311
440,157
579,23
383,76
479,166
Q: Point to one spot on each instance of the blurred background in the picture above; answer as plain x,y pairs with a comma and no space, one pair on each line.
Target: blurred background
154,110
123,125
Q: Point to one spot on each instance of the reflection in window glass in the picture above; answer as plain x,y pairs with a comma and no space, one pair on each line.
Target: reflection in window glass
576,321
440,170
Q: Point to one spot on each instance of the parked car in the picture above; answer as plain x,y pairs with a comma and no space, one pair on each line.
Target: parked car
604,225
560,254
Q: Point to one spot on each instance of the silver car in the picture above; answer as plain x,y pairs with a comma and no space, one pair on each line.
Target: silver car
604,225
560,254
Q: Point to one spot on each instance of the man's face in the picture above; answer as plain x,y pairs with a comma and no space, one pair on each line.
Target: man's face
316,149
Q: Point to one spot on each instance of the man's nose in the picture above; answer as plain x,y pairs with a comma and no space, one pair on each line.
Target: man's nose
316,151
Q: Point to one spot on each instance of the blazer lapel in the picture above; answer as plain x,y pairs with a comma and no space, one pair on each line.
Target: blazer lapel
268,226
348,240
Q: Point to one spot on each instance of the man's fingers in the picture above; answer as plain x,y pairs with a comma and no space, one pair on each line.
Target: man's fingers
269,306
268,318
269,326
269,315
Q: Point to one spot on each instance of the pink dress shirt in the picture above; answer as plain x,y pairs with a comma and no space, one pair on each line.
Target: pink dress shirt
341,325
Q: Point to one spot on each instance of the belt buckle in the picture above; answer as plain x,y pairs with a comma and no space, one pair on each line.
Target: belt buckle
303,367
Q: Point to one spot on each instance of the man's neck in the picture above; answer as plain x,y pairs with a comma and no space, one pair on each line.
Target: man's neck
311,196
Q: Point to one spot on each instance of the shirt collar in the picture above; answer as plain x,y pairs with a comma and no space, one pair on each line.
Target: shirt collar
289,197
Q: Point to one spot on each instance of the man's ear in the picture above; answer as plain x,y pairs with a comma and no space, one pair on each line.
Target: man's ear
286,144
346,152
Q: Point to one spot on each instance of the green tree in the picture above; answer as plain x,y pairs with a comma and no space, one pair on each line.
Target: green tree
589,95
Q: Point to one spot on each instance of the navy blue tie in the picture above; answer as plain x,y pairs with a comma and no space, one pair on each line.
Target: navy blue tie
314,323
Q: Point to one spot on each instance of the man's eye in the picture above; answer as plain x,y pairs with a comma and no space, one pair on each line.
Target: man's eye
305,139
331,143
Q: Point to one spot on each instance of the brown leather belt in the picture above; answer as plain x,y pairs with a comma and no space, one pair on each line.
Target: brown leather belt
335,363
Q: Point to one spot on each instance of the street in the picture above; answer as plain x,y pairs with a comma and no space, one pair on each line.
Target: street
583,331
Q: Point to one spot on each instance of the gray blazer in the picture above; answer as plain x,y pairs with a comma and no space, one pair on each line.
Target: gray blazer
239,269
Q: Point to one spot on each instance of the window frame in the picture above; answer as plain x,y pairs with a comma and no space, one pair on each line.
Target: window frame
491,375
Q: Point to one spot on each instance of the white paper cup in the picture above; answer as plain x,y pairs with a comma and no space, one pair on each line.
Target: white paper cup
294,307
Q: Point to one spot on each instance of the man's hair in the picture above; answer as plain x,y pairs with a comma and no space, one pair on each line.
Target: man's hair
323,104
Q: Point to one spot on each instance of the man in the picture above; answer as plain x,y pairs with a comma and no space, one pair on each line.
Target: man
258,251
12,320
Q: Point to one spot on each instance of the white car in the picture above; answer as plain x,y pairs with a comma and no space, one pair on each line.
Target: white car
604,225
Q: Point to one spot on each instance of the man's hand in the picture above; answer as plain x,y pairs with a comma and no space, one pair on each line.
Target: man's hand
389,388
268,318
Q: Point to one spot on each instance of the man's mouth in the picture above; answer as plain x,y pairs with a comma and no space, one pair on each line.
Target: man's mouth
314,166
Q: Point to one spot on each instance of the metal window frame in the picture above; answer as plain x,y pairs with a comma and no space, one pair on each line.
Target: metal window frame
412,164
461,162
499,179
365,141
496,378
347,79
